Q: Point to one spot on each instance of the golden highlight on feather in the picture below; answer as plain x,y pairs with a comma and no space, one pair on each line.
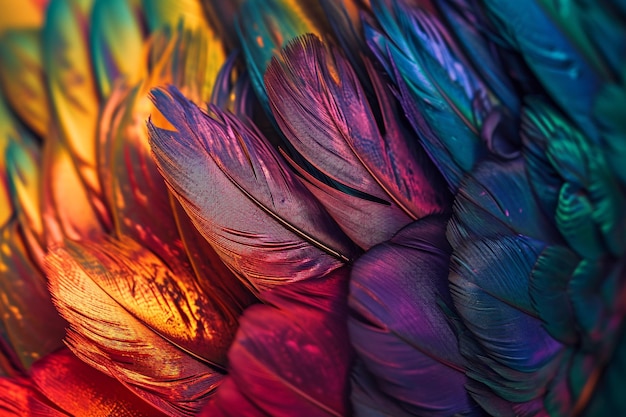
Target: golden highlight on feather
134,320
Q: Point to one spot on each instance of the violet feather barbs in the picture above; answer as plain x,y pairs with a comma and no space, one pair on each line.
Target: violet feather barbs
430,224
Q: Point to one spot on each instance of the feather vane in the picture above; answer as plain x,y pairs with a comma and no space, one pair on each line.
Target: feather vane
284,225
321,108
130,318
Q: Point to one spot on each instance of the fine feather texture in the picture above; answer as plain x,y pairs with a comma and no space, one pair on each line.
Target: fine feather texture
291,356
268,228
130,318
526,320
321,108
399,326
444,99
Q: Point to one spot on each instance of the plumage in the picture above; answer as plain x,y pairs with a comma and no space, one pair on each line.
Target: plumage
382,180
399,325
447,104
284,207
285,227
128,317
22,77
292,354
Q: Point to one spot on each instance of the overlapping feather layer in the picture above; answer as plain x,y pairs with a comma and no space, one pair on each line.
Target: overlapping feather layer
394,207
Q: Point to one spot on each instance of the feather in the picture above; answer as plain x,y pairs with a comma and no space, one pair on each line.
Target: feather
8,133
444,99
73,93
551,280
264,27
565,75
337,134
398,327
21,398
607,399
116,41
611,123
22,77
79,390
497,200
162,13
587,199
221,17
24,177
141,321
466,20
30,328
61,182
285,236
507,348
291,355
233,90
61,385
345,19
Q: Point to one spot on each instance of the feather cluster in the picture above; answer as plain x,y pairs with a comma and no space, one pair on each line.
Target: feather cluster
294,208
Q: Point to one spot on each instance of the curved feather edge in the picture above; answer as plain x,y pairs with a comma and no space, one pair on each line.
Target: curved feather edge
121,302
399,326
291,355
443,98
320,106
260,219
